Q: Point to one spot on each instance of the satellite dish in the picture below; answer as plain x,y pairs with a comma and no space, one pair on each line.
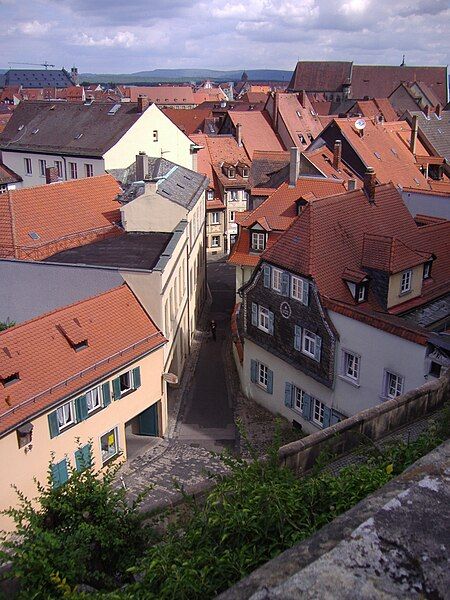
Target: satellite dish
360,124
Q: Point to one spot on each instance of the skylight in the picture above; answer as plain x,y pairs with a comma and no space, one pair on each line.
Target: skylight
33,235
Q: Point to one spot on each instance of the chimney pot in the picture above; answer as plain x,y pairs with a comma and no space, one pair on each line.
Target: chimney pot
239,134
369,183
141,163
143,103
414,129
51,175
294,166
337,153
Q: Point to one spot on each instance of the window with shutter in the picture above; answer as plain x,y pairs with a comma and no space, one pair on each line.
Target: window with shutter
60,473
106,393
116,388
288,394
253,370
271,322
266,273
307,406
83,457
81,408
254,314
53,424
136,378
269,381
285,284
297,337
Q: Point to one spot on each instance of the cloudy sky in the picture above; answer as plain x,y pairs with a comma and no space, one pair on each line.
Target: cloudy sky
124,36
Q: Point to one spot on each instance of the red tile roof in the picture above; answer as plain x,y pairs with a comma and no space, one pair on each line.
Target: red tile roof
257,133
322,158
6,175
162,94
117,330
299,118
337,227
375,107
63,215
319,76
189,120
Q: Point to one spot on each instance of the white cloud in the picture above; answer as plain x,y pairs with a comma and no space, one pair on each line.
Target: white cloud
33,28
125,39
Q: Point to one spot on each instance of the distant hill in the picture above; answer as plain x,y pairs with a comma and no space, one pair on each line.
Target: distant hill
185,75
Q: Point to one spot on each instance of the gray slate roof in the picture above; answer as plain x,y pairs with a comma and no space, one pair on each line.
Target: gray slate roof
55,127
435,130
127,251
30,289
37,78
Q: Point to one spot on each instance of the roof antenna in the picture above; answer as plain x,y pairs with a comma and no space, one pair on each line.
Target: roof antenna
403,61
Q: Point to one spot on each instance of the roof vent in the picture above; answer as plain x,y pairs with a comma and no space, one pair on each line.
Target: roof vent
78,136
378,155
114,109
34,236
35,131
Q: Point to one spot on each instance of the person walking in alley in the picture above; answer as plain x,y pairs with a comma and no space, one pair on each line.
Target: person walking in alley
213,326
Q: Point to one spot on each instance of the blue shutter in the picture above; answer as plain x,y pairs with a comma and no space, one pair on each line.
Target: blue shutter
253,370
266,276
318,348
81,408
297,337
59,473
53,424
116,388
254,314
307,406
83,457
285,283
335,417
271,320
288,394
326,416
269,381
136,378
305,292
106,392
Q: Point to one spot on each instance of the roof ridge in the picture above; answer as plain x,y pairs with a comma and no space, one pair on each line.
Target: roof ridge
67,183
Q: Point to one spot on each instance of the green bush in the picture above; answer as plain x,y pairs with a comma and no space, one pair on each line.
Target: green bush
82,532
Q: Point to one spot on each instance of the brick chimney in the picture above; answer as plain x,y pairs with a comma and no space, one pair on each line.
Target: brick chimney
239,134
337,153
143,103
414,130
294,166
141,166
276,102
426,111
302,98
351,185
51,175
438,110
369,183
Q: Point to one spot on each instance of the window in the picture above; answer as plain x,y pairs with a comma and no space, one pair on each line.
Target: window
309,343
299,399
299,289
73,170
276,279
155,135
64,415
435,369
393,385
88,170
215,241
427,269
361,292
59,168
210,195
94,399
350,365
258,241
405,285
263,375
42,166
60,473
24,434
28,166
232,214
233,195
214,218
109,445
263,318
318,412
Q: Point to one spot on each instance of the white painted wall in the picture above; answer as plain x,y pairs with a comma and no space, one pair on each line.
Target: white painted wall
152,212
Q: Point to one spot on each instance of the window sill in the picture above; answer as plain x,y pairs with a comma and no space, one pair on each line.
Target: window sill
352,382
111,458
127,393
311,356
261,387
401,294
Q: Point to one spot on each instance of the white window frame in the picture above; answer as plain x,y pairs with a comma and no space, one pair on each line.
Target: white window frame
28,166
297,288
214,218
263,375
89,169
210,195
59,168
232,214
399,384
258,241
155,135
130,387
66,411
263,318
214,239
115,431
298,399
99,397
42,166
234,195
318,408
308,340
276,279
406,281
361,293
350,366
73,167
427,270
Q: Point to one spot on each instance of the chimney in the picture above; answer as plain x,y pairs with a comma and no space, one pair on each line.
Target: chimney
275,110
239,134
414,129
369,183
426,111
51,175
294,166
302,98
337,152
143,103
141,166
351,185
438,110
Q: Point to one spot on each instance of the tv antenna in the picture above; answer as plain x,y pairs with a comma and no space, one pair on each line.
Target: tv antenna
44,64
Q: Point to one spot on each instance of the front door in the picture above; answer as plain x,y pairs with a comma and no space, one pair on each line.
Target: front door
148,421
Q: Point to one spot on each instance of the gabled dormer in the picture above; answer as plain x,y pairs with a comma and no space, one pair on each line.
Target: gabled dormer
358,284
258,235
229,170
243,170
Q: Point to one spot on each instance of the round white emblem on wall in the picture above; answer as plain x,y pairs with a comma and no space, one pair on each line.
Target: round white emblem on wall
285,310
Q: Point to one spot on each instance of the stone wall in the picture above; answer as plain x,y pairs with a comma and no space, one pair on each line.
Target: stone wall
371,424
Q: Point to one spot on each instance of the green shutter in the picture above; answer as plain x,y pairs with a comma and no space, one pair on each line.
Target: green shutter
116,388
81,408
136,378
307,406
106,392
269,381
60,473
83,457
288,394
53,424
326,416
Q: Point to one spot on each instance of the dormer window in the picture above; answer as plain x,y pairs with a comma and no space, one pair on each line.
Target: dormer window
9,379
24,434
427,269
361,292
210,195
405,285
258,241
229,171
243,170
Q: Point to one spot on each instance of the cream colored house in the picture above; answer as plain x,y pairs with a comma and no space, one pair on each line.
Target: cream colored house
98,384
84,140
